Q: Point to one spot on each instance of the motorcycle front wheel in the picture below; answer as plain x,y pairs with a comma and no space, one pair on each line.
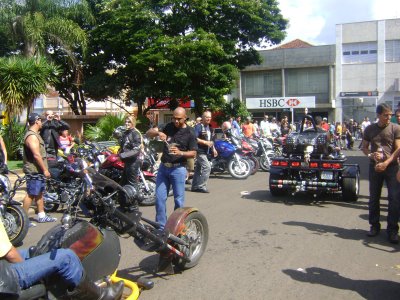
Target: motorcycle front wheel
239,169
265,160
149,197
16,223
195,233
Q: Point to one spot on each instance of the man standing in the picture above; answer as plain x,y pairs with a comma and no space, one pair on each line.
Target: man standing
364,125
50,134
248,128
264,127
384,139
205,148
35,167
236,126
180,144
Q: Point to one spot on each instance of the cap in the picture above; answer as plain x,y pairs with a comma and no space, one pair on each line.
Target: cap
325,119
33,117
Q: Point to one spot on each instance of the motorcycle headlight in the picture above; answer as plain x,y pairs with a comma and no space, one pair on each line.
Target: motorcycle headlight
309,149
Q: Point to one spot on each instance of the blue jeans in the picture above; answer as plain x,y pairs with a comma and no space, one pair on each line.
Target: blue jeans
63,262
376,180
167,177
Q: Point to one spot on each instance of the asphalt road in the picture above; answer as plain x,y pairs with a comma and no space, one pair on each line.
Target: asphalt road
261,247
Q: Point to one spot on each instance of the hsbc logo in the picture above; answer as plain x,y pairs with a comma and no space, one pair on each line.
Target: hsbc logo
293,102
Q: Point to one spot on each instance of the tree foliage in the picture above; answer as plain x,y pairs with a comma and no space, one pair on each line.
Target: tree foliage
24,79
177,48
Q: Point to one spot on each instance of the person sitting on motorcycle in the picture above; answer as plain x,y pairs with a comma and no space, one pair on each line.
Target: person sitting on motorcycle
18,272
130,151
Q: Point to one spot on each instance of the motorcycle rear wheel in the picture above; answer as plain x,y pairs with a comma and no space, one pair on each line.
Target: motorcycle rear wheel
255,164
240,169
195,232
16,223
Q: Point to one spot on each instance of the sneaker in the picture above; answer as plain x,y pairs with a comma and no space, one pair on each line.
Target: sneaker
393,237
46,219
32,224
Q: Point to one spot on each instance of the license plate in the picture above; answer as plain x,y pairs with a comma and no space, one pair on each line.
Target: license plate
101,158
326,175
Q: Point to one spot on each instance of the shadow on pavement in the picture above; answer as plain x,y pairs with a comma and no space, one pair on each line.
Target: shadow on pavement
368,289
348,234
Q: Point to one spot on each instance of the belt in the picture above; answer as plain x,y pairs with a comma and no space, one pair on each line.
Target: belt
171,165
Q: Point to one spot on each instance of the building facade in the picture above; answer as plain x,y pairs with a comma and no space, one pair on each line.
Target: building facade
367,67
347,79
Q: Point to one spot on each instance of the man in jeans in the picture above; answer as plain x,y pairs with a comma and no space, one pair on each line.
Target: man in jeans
19,271
384,139
35,168
180,144
205,149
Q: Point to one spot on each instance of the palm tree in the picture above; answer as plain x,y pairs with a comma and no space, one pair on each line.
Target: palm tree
39,24
24,79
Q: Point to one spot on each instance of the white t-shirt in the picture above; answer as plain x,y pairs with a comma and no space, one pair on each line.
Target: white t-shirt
364,125
265,129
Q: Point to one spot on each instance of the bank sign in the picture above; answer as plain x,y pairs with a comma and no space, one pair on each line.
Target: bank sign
282,102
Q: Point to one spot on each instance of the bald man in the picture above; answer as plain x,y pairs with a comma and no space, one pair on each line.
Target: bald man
180,144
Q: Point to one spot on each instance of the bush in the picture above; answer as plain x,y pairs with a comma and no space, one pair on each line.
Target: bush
13,136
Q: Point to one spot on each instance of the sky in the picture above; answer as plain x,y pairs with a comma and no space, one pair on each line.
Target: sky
314,21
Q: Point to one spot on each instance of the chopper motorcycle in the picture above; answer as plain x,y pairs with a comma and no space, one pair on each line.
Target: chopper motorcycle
113,212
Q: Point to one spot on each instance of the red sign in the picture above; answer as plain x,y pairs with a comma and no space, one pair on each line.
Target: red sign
293,102
163,103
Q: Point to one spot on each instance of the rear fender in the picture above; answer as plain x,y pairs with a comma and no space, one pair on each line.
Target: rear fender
176,221
350,170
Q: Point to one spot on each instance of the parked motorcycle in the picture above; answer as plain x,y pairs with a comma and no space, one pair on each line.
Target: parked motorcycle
15,219
180,245
249,152
230,158
113,167
265,153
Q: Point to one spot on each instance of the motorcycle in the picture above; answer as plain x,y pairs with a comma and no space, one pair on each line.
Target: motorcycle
113,167
230,157
265,153
15,219
180,244
249,152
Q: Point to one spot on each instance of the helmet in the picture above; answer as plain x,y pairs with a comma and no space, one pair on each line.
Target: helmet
117,134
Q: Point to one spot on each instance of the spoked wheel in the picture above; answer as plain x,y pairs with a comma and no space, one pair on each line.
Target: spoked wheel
16,223
255,164
195,233
149,197
240,169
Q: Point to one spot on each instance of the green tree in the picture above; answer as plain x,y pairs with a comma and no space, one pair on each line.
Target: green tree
24,79
179,49
104,128
49,28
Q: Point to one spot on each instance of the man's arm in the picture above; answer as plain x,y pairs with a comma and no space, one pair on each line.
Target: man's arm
3,146
13,256
33,144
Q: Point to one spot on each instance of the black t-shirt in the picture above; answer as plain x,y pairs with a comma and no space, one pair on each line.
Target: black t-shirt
185,139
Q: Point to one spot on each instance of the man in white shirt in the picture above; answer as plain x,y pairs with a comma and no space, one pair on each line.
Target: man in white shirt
264,127
364,125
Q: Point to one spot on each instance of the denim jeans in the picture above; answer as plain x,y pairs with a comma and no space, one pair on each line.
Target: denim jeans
376,180
167,177
63,262
201,172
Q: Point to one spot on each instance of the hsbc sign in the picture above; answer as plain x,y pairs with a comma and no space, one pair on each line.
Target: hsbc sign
282,102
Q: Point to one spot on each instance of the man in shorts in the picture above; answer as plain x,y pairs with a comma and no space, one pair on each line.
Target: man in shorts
35,168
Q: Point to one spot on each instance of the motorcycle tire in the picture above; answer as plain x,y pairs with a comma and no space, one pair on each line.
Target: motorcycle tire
149,198
239,170
196,234
255,164
16,223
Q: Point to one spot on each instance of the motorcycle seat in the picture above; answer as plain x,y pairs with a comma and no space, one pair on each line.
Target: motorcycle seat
34,292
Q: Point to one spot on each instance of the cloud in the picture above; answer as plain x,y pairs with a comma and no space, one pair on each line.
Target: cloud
314,21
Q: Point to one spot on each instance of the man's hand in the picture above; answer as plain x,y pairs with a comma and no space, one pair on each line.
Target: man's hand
46,173
162,136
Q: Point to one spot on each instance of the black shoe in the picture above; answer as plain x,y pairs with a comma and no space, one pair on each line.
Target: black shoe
374,231
200,191
393,237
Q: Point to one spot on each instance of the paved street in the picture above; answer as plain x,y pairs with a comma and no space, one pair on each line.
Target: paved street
262,247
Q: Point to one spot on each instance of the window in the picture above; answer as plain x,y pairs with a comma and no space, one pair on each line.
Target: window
263,84
392,51
359,53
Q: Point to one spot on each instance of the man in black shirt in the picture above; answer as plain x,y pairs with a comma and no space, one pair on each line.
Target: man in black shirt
180,144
